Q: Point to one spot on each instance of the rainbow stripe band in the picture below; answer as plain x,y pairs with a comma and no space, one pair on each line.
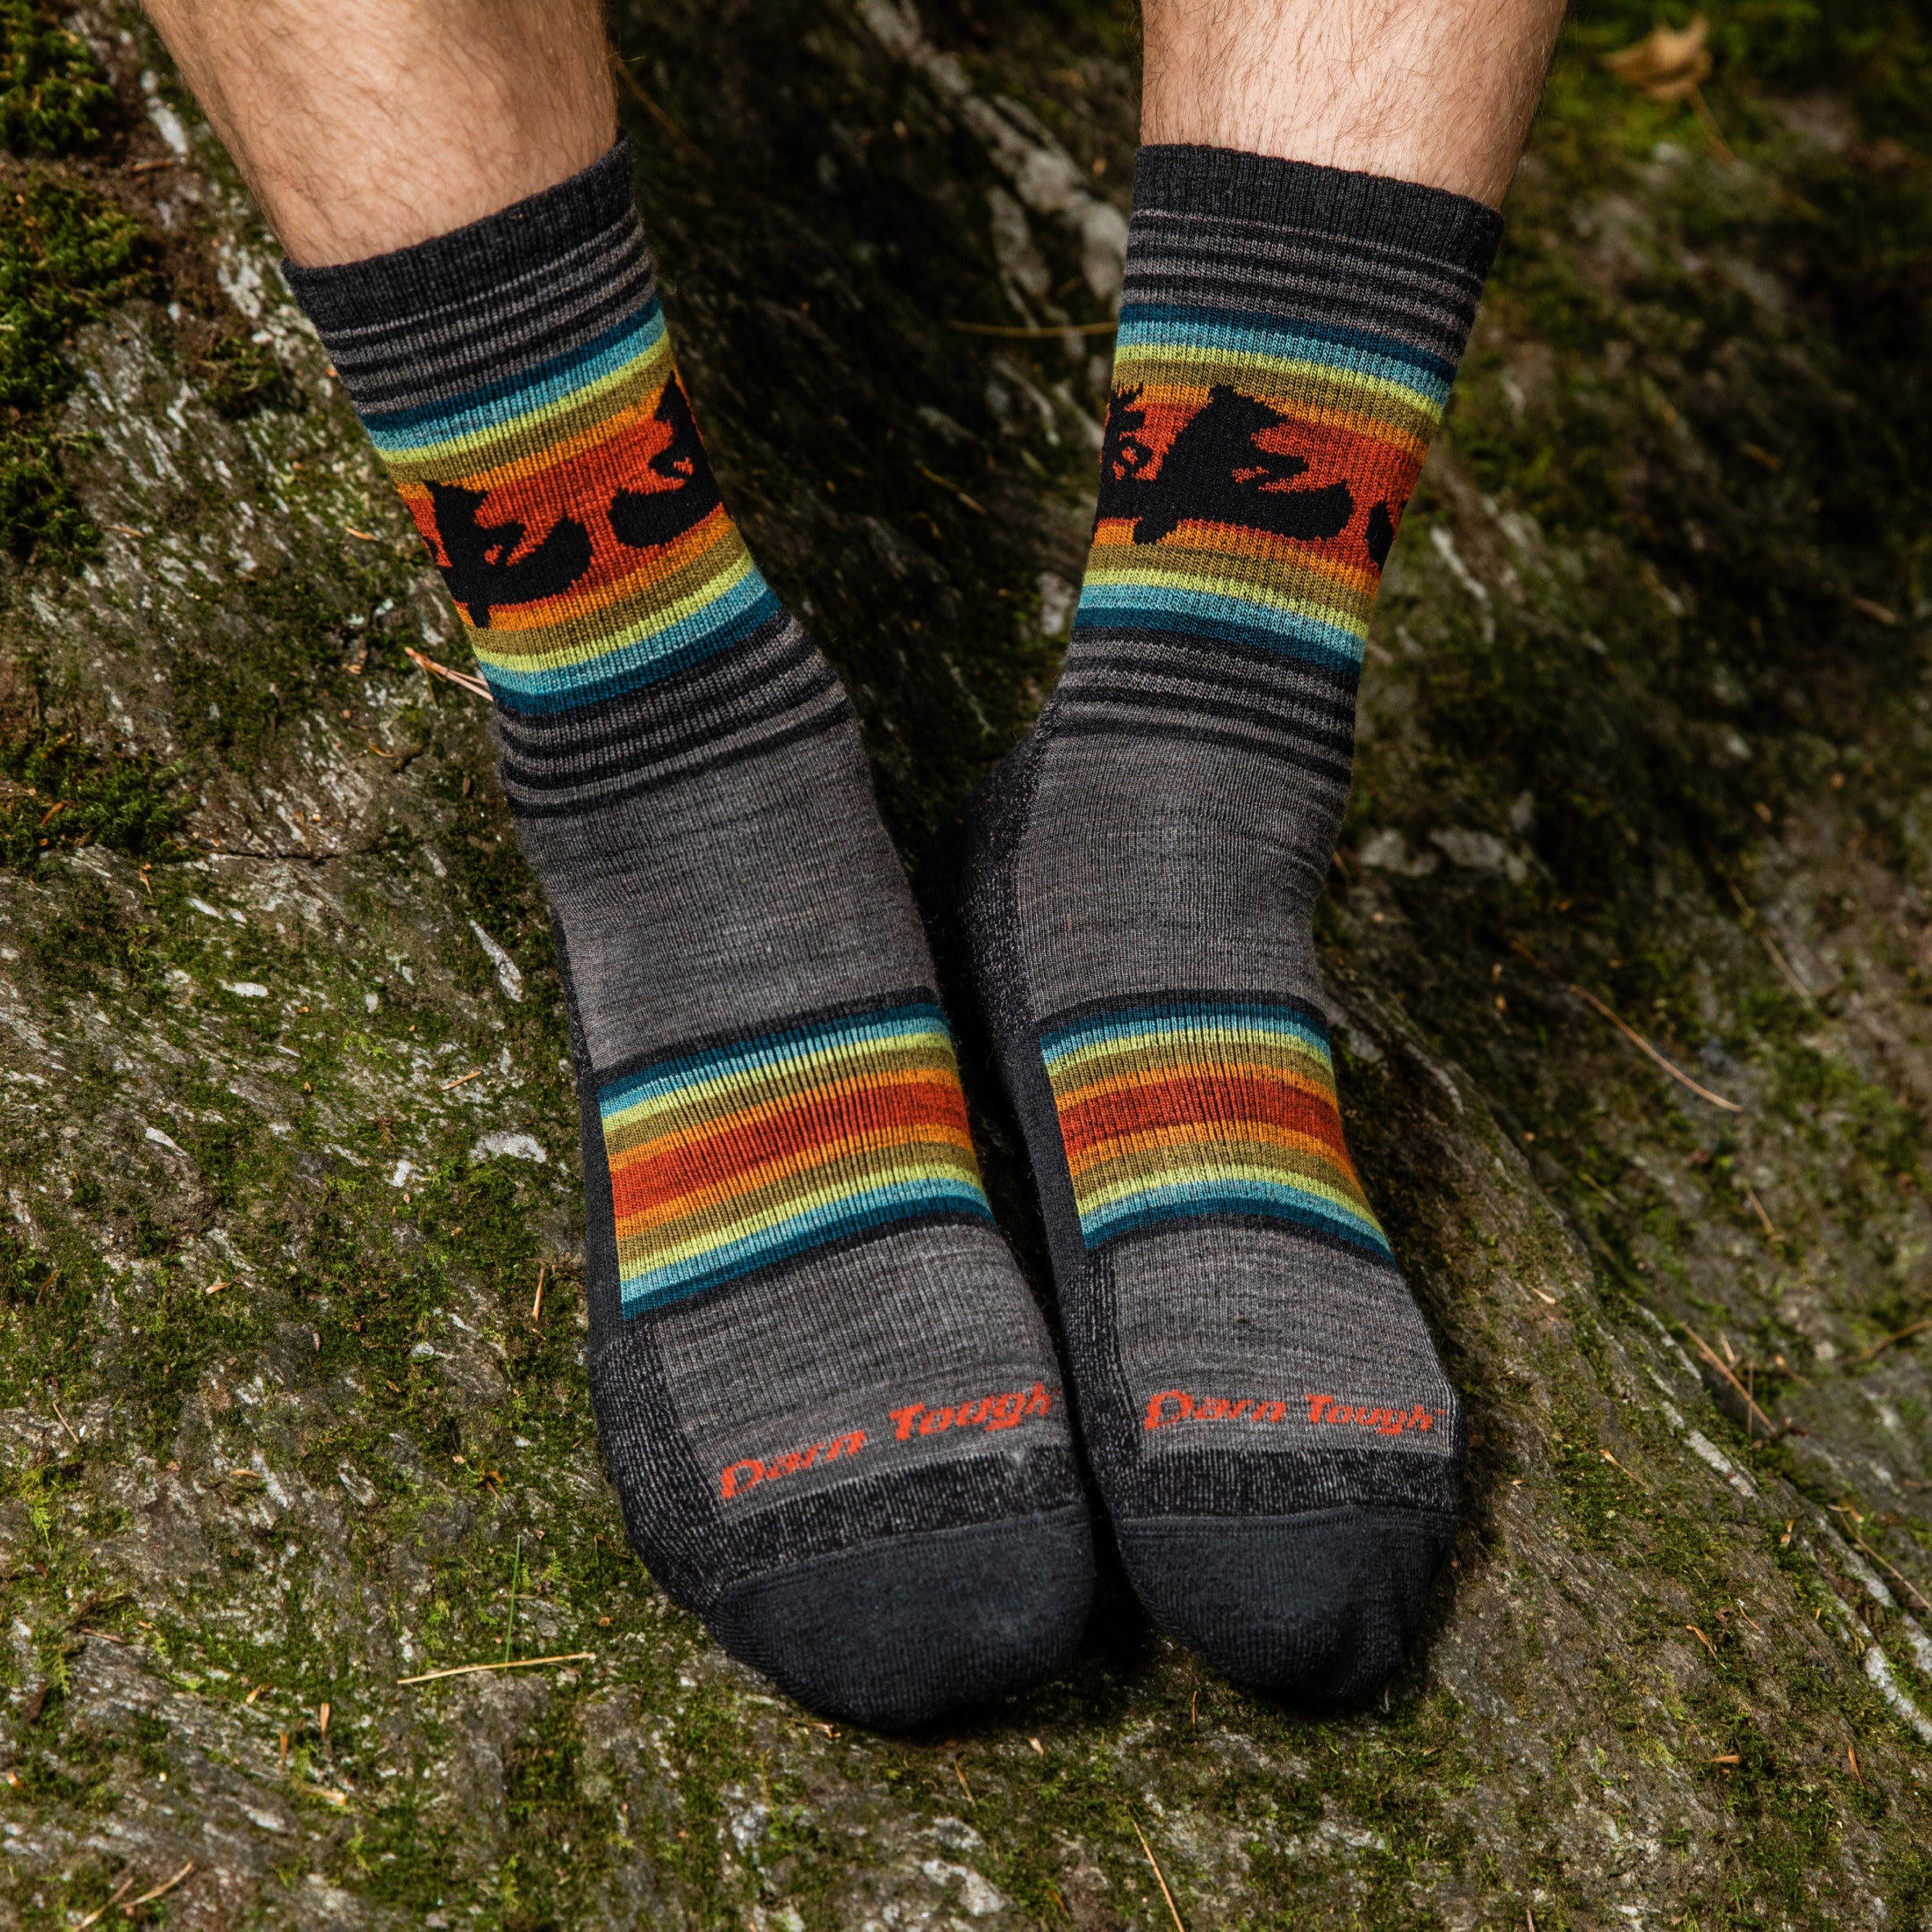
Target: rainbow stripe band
570,507
1255,472
1156,329
1195,1108
746,1155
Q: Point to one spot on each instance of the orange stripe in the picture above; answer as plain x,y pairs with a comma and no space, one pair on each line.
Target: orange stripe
693,1202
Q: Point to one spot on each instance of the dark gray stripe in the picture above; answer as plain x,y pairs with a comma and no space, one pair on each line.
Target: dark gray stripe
423,363
520,243
770,690
1218,184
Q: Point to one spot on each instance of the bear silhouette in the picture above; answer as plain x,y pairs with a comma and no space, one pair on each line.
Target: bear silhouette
1212,473
646,518
1380,536
480,574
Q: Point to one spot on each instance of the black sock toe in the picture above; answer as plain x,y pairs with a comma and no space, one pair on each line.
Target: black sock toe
1324,1604
893,1634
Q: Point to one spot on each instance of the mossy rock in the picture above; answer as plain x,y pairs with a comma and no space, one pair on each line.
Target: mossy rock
289,1149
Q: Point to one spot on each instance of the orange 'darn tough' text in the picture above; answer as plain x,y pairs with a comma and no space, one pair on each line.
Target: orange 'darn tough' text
1174,1405
990,1413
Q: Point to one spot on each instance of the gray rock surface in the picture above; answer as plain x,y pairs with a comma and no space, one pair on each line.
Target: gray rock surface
292,1404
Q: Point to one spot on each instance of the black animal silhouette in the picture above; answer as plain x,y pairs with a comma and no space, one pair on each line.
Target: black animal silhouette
1123,453
1212,473
480,573
1380,536
646,518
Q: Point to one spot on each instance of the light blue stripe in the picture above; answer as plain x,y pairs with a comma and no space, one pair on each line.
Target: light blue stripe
773,1052
1177,1022
1193,1201
876,1206
1111,606
1155,327
507,403
733,614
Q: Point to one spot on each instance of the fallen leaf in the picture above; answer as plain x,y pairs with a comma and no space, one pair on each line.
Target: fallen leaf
1668,64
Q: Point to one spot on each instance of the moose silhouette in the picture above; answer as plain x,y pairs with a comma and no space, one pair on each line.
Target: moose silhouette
480,573
1213,472
646,518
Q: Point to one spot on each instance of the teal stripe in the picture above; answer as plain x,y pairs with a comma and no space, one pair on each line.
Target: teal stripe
1179,1022
732,615
874,1207
1193,1200
504,406
1154,606
1150,330
768,1055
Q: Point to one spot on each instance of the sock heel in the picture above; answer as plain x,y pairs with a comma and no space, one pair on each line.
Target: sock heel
965,887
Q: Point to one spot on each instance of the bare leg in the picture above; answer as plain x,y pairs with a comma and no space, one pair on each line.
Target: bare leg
365,125
1438,92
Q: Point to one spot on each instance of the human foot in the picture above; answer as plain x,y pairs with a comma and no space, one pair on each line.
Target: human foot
826,1398
1132,896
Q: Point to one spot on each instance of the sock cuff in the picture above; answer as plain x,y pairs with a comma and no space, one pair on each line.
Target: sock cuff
1223,184
525,237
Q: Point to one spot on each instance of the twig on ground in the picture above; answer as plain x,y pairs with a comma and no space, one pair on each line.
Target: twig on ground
1723,1368
1629,1032
536,1307
127,1886
1159,1876
160,1891
461,679
662,119
463,1080
932,476
965,1787
1785,968
1771,1233
1643,1046
1614,1464
1904,1334
64,1423
1897,1573
520,1663
1702,1639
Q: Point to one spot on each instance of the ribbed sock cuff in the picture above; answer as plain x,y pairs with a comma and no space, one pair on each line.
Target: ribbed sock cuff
527,237
1223,184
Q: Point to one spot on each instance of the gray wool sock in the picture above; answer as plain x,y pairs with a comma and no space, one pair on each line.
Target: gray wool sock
828,1399
1132,896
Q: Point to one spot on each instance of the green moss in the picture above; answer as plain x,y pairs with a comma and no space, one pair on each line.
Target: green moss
59,793
304,627
52,99
240,376
41,519
66,257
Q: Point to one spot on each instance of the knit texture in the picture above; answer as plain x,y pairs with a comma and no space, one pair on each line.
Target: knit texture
1131,899
789,1248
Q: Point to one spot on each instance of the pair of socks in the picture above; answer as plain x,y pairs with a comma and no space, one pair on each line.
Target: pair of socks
836,1422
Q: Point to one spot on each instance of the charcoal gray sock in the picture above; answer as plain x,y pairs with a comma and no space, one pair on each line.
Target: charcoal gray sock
1133,896
829,1404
